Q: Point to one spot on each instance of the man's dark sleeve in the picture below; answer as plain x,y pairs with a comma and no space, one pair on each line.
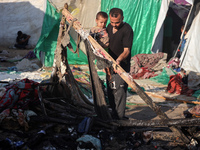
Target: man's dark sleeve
128,37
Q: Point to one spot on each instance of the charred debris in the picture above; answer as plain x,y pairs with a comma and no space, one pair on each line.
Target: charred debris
56,114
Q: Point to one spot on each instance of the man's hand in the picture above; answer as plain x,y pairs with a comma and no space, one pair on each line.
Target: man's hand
118,61
116,68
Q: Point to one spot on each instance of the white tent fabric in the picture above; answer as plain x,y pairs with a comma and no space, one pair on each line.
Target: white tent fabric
158,35
28,15
190,1
84,10
24,15
190,56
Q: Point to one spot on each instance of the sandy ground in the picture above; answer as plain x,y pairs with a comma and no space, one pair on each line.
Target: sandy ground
7,53
136,107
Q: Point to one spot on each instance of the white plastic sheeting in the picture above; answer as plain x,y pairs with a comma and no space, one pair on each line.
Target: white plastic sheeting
84,10
27,16
158,35
190,58
24,15
190,1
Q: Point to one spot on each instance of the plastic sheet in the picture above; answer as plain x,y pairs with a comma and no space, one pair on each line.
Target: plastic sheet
164,77
142,16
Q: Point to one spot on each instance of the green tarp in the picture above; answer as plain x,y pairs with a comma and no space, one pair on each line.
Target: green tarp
48,39
141,15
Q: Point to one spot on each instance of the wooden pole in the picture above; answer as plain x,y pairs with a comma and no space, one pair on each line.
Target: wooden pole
172,99
183,122
77,26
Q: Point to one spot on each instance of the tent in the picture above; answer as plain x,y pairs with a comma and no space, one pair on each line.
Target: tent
41,20
141,15
83,10
24,15
179,12
190,57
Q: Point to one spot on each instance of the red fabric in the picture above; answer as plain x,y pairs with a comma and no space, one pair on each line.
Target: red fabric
20,95
145,61
176,85
144,73
148,75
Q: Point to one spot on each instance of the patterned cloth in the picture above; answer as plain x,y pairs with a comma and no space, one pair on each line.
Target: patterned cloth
19,95
145,60
17,115
144,73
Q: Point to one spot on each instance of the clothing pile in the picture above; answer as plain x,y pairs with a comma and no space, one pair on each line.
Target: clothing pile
15,104
142,64
177,86
20,95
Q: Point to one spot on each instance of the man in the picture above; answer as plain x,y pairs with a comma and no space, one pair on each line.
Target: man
22,40
120,42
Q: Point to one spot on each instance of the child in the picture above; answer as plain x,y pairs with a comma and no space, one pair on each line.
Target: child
183,41
100,35
99,32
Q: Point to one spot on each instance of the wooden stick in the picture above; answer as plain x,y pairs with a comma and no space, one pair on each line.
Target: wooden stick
77,26
67,108
184,122
172,99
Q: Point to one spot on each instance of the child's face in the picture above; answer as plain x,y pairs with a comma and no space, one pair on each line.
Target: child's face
101,22
182,31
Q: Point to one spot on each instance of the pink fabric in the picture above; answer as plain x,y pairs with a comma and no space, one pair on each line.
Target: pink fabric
174,62
182,2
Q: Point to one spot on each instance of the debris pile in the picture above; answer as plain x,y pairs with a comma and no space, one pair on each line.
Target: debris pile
55,114
32,118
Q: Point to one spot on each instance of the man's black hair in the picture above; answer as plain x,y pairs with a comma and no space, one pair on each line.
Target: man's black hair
114,12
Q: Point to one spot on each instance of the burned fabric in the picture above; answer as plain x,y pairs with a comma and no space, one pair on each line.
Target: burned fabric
102,63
